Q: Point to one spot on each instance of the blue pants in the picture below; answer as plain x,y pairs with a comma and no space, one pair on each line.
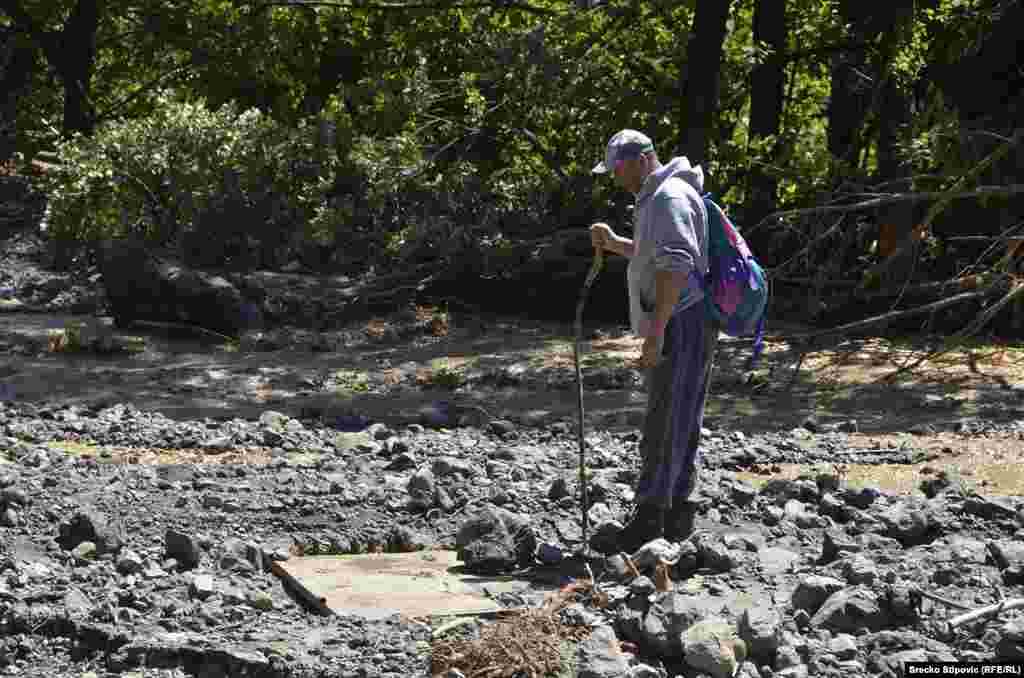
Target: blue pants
677,390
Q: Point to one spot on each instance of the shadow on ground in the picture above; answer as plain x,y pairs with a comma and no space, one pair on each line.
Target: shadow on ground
362,370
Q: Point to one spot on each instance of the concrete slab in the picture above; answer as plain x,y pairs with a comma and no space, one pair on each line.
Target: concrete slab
414,585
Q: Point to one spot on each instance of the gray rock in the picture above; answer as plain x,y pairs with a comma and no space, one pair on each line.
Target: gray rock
712,646
814,590
9,518
761,628
422,490
91,526
559,488
182,548
667,618
605,537
444,467
843,646
1011,641
743,494
1007,553
849,610
990,508
713,554
648,555
787,657
837,544
859,570
202,587
642,586
644,671
485,544
861,498
600,656
905,524
129,563
775,561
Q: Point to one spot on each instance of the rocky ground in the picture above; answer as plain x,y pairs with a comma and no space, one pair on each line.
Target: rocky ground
135,544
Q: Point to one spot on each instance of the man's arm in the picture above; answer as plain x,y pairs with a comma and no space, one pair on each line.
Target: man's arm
668,285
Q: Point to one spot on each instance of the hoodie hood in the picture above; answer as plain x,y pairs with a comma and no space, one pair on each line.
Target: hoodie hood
676,167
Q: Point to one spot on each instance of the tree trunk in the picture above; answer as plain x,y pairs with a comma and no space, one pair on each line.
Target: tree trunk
766,101
704,64
75,65
848,100
17,65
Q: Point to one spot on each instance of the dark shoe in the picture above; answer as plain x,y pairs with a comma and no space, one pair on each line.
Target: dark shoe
647,524
679,521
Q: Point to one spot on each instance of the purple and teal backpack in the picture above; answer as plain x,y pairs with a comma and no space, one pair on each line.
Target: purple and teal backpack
736,287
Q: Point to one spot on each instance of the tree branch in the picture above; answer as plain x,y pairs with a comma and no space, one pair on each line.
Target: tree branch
402,6
979,192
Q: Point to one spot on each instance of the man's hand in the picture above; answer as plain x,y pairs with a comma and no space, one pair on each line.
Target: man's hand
602,235
649,353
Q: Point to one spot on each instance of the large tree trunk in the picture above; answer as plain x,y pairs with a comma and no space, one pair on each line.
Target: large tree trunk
16,67
75,65
766,101
849,99
704,64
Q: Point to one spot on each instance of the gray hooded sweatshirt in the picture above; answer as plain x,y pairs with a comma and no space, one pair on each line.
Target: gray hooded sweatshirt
670,233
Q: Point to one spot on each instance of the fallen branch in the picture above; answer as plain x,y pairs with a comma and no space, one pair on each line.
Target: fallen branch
991,611
979,192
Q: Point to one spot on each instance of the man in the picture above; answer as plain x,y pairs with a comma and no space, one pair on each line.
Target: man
668,260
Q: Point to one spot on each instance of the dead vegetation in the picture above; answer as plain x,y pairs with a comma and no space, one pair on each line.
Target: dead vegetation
527,643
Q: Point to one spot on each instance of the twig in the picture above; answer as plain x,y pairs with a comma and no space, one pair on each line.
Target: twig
992,611
939,599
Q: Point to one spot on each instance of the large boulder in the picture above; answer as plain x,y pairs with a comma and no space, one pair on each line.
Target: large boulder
141,286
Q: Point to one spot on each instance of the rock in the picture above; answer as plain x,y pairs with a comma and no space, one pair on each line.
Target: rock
642,586
861,498
501,427
1007,553
422,490
713,554
1011,641
485,544
843,646
644,671
859,570
849,610
559,488
202,587
905,524
761,628
129,563
9,518
93,527
667,618
712,646
814,590
605,537
837,544
600,656
261,600
989,508
182,548
599,513
742,494
140,286
648,555
85,552
776,561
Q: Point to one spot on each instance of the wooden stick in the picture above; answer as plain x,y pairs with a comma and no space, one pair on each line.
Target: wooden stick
993,610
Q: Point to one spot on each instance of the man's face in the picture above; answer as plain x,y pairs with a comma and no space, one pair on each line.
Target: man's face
631,173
